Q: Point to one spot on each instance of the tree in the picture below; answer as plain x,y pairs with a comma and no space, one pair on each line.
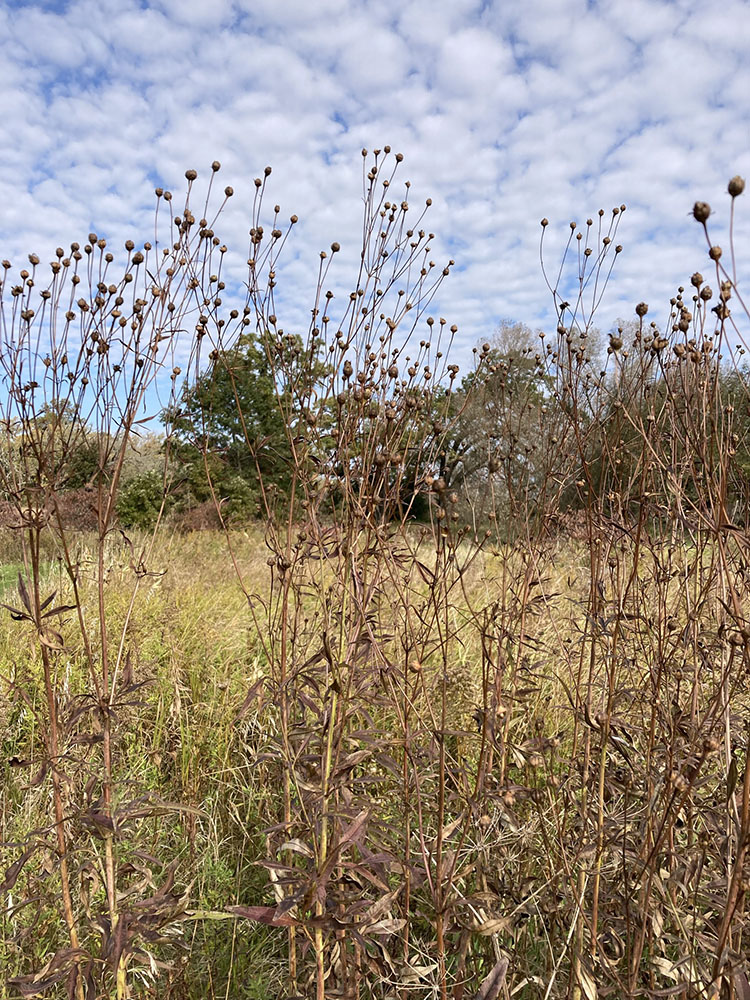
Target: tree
502,428
229,431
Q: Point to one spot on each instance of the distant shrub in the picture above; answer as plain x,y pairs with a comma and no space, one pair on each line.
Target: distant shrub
142,499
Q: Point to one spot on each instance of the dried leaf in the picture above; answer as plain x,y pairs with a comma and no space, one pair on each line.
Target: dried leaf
264,915
60,610
56,971
741,985
389,925
490,988
298,846
24,595
51,639
255,693
351,833
12,873
15,614
587,983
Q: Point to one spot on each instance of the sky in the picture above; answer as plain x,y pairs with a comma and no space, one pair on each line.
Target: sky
504,112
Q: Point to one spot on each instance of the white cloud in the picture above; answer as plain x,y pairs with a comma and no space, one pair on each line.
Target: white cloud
505,114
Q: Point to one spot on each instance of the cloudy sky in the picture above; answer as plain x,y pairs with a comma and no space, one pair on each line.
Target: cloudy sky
505,113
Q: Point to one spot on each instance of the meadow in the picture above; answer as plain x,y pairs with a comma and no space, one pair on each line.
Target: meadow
451,701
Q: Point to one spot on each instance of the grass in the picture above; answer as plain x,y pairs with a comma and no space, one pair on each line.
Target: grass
200,653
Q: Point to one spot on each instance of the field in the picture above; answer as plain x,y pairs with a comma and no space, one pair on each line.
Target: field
490,790
452,699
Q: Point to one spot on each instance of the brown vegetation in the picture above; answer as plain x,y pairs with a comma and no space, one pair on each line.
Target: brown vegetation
486,747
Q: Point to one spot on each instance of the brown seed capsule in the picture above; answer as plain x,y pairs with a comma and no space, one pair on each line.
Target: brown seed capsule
191,174
701,211
715,253
641,309
736,186
697,279
215,166
545,223
228,191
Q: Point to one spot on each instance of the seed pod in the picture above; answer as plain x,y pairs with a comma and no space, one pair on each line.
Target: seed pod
736,186
701,211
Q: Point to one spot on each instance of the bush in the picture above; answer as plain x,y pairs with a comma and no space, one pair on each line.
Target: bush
143,500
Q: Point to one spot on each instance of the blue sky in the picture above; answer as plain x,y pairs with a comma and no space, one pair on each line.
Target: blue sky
505,113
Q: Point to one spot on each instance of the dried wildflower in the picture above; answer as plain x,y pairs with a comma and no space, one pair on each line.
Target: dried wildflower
736,186
191,175
715,253
641,309
701,211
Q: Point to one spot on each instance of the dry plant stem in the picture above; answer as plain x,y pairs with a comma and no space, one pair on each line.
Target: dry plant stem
735,892
76,372
58,793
